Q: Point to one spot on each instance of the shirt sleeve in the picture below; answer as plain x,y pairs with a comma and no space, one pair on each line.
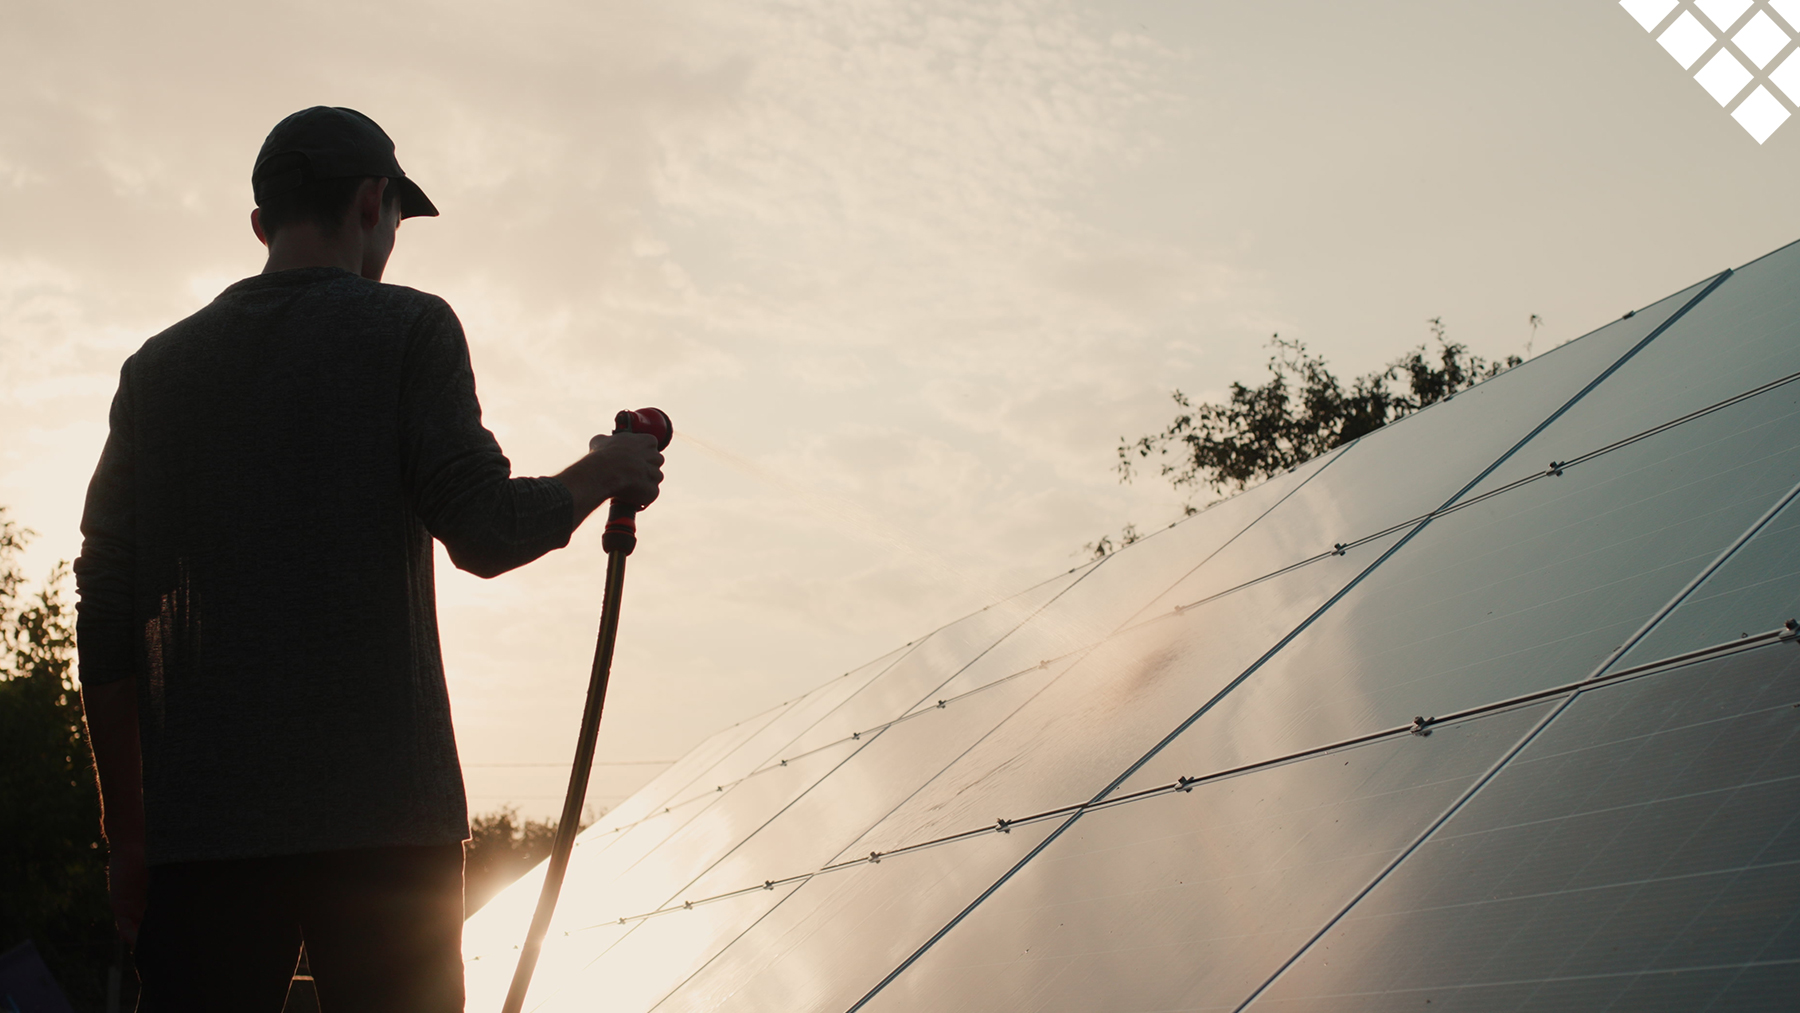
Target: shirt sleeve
459,481
104,631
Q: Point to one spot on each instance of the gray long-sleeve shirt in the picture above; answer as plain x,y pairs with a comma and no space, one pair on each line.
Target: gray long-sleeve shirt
258,554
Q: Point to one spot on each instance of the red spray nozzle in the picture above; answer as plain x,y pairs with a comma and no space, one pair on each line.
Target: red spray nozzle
621,524
653,421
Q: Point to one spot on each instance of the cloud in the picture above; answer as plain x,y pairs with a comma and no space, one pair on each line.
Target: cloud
860,249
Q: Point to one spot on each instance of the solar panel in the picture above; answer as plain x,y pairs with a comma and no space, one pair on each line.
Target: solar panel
1189,776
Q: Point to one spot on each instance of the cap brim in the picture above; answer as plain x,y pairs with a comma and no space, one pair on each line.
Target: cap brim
413,202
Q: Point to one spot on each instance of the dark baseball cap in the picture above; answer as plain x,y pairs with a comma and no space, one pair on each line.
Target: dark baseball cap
331,142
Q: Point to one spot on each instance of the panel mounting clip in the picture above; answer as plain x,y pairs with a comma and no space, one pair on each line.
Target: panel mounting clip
1790,630
1421,726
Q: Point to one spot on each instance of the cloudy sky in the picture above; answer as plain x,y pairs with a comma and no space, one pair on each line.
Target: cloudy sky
905,271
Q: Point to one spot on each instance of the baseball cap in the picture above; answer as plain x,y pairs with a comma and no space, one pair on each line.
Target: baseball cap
331,142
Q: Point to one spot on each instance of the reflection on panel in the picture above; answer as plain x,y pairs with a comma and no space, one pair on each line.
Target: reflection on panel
654,799
1071,740
840,933
1642,853
491,936
767,744
646,865
657,878
823,826
608,850
1192,900
1526,590
924,671
1757,589
717,810
1125,582
631,967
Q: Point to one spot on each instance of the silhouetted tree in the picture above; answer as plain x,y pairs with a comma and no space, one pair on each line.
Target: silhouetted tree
52,860
1302,411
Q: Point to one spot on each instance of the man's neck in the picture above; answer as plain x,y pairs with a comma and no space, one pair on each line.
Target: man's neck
303,245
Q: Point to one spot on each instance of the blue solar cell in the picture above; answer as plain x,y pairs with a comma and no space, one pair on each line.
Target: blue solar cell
1756,590
1742,336
1642,853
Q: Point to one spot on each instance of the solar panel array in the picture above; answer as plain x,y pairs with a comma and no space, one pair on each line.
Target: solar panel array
1493,709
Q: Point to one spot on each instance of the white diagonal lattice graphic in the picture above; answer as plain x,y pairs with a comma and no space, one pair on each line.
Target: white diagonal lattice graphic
1742,52
1761,39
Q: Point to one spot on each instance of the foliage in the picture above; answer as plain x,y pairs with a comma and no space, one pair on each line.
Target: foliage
502,848
1105,545
52,859
1302,411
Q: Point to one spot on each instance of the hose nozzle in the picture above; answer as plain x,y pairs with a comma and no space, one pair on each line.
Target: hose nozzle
621,521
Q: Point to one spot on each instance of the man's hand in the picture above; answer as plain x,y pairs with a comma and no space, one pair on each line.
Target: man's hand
633,462
128,881
623,466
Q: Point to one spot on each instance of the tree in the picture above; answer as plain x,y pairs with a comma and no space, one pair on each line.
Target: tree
1302,411
52,859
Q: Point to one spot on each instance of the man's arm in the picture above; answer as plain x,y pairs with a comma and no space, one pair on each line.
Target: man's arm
460,482
107,638
112,724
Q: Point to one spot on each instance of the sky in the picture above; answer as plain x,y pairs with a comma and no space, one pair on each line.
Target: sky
903,272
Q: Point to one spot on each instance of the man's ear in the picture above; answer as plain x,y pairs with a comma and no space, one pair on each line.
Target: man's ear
368,201
256,226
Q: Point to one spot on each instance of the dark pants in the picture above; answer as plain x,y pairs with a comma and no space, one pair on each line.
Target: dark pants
382,927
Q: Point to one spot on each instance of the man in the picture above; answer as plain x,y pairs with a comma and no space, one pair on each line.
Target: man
257,626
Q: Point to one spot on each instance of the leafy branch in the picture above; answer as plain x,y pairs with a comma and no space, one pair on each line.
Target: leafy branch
1302,411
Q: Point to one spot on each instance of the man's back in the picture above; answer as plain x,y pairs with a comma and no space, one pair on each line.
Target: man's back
259,534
